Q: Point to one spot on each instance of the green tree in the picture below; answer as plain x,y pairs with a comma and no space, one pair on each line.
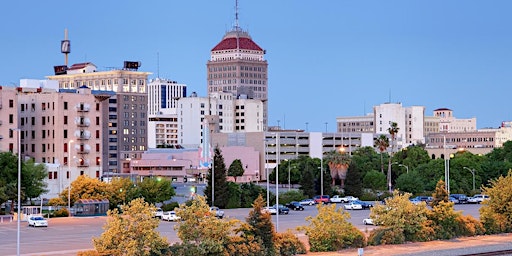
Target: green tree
354,183
381,143
121,191
236,169
496,213
306,183
374,180
155,189
261,227
249,193
410,182
235,195
131,233
221,185
33,179
366,159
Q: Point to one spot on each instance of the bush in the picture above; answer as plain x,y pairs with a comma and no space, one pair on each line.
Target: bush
288,244
63,212
185,249
469,226
495,213
292,195
330,230
88,253
170,206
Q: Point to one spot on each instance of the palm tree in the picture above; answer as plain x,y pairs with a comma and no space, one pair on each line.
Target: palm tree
382,143
338,164
393,130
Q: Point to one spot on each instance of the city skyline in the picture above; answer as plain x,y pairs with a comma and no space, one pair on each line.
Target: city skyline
338,58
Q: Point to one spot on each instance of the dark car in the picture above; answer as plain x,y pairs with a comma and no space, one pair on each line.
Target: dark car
296,206
365,205
282,209
461,197
427,199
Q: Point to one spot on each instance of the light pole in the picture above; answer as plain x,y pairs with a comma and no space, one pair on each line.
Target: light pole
277,181
473,173
406,167
69,177
18,219
322,169
266,171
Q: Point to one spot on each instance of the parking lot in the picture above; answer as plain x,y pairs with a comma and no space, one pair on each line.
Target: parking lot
66,236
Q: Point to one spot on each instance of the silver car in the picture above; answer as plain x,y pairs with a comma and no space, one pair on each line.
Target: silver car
37,221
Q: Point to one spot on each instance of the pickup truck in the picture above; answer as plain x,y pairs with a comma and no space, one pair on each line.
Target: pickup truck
158,213
339,199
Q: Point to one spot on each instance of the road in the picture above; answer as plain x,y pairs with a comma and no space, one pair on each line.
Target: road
67,236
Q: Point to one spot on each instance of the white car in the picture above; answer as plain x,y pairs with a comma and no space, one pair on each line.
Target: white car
272,210
353,205
308,201
37,221
218,212
158,213
171,216
478,198
368,221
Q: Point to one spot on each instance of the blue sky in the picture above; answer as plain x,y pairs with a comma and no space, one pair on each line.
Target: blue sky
326,58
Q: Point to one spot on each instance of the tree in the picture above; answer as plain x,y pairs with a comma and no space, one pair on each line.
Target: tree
410,182
354,183
155,189
200,228
366,159
236,169
132,232
121,191
393,130
306,184
260,226
221,185
374,180
496,213
338,163
32,179
400,219
381,143
330,230
85,187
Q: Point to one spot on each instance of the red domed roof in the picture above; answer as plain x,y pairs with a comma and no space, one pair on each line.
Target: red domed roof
230,42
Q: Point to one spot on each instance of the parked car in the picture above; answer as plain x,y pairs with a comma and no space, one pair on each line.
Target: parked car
368,221
415,200
322,199
454,200
272,210
461,197
218,212
347,199
308,201
37,221
365,205
426,199
296,206
478,198
171,216
353,205
158,213
282,209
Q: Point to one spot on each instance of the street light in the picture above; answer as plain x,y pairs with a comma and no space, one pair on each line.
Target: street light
18,219
69,177
402,165
289,183
278,147
473,173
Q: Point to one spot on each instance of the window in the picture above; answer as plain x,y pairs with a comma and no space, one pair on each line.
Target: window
11,118
65,105
65,119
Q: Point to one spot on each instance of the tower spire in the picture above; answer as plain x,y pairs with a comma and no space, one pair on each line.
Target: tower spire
236,14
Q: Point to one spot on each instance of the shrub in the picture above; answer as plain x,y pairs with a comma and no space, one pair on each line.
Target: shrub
330,230
170,206
63,212
88,253
386,235
245,245
288,244
469,226
496,213
292,195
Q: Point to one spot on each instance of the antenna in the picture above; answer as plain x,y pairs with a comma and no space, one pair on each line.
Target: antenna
236,14
157,64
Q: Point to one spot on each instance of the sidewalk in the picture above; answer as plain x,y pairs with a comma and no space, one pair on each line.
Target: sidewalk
459,246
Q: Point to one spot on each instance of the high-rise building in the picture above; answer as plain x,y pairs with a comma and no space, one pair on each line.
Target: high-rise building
125,117
237,65
163,96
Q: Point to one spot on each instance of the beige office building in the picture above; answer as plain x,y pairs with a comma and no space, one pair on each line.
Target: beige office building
125,117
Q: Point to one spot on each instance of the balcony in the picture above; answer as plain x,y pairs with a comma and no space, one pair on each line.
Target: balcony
83,134
82,122
82,162
83,149
82,107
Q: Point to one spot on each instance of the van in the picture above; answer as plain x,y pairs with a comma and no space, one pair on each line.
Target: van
322,199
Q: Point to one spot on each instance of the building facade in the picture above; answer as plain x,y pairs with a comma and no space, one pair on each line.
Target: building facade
125,119
237,65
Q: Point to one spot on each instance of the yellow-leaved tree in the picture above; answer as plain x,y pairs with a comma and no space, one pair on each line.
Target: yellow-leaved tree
132,232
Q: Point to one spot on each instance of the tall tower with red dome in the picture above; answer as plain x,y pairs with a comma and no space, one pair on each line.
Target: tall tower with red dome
237,65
